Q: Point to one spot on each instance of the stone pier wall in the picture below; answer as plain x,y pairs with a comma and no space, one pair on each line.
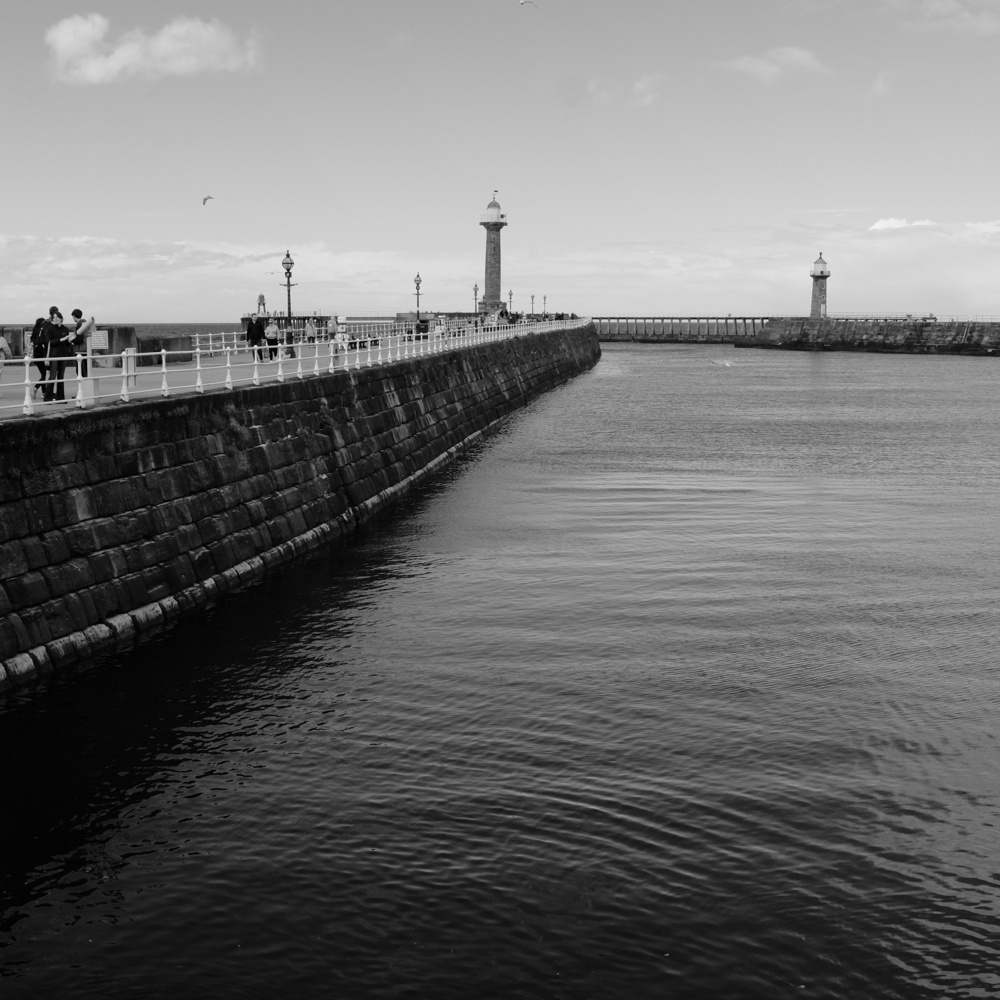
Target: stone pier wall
883,336
115,519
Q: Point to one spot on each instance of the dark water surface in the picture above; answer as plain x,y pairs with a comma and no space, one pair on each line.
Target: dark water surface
685,685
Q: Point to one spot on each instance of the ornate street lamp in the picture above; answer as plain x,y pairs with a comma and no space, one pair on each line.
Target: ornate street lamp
532,305
416,281
288,264
475,298
510,301
545,305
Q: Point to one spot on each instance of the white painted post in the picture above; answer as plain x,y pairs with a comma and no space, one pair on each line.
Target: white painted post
80,401
281,370
256,369
316,358
332,347
198,385
123,395
298,367
164,388
229,368
28,406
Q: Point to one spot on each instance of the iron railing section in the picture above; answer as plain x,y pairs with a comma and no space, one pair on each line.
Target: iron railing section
231,364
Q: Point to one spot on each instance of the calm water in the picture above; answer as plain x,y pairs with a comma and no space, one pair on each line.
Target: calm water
685,685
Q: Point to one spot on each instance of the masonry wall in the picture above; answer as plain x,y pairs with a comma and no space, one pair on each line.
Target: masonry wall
114,519
885,336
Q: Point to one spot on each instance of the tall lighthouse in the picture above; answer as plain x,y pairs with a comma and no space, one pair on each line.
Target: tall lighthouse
819,274
493,221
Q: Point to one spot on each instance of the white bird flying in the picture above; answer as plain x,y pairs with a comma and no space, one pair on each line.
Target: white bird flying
532,2
207,199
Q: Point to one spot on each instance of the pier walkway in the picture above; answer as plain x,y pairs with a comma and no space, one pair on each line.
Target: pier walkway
144,375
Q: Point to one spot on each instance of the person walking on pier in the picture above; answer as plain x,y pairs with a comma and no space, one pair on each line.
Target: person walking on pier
255,336
271,335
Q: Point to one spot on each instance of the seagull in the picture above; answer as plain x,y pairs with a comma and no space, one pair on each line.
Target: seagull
207,199
532,2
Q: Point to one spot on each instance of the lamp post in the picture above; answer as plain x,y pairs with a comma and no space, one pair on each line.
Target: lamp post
510,301
287,263
416,281
545,305
475,298
532,305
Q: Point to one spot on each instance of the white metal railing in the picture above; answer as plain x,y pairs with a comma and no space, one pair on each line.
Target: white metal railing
226,364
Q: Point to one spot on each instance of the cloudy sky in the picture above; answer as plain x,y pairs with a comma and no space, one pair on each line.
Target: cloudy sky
654,157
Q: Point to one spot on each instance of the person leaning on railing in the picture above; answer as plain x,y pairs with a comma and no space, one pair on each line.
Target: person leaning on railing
78,343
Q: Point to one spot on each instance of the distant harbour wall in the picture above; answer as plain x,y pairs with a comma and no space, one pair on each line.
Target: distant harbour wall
117,518
908,336
678,329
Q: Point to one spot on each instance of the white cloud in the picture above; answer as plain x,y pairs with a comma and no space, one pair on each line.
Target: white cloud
971,17
883,83
81,52
645,90
576,92
892,223
776,63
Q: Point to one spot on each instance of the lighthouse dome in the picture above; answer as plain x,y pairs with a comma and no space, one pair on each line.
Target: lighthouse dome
493,213
820,267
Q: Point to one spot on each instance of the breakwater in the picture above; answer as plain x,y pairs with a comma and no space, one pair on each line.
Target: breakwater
907,336
678,329
115,519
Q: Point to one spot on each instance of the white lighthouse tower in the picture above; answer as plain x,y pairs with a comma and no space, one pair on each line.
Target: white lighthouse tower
819,274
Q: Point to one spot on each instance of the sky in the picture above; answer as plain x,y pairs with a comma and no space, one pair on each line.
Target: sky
654,157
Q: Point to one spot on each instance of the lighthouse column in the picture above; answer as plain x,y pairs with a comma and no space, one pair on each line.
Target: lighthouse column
819,273
493,221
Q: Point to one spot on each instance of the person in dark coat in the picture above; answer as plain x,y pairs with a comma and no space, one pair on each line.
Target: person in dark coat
255,336
39,352
57,353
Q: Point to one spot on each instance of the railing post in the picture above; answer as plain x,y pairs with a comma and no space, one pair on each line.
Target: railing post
28,406
164,388
316,357
281,370
229,367
332,346
256,369
80,401
198,384
298,367
123,395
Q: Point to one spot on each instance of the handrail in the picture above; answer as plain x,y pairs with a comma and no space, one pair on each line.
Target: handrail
228,365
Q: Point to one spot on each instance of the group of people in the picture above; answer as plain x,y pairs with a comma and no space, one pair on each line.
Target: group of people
259,334
53,344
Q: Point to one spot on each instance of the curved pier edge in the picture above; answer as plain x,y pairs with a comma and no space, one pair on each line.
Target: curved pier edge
118,631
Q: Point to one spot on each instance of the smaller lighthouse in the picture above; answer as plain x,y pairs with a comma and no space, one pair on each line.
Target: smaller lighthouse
819,274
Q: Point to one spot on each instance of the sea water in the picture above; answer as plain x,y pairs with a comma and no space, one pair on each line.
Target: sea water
683,685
